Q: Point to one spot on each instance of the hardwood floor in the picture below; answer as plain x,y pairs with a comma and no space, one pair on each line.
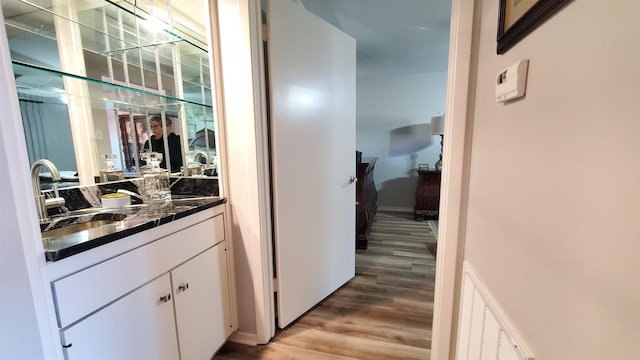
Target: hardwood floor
384,312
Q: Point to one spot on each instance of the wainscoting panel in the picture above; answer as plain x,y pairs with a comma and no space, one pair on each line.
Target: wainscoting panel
483,334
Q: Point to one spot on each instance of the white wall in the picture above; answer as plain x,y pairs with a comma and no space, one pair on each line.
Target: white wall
393,123
246,162
24,330
19,332
553,208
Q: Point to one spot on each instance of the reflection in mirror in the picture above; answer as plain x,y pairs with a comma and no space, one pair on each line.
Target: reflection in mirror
48,134
84,98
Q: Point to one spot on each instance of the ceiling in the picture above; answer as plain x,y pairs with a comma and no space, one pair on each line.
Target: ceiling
394,37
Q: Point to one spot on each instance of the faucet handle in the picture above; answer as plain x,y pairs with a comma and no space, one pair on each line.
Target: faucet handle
54,203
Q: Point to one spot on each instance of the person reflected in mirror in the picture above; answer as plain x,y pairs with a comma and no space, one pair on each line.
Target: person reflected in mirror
157,143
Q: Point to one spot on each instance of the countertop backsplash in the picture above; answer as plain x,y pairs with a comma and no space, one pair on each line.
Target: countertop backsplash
88,196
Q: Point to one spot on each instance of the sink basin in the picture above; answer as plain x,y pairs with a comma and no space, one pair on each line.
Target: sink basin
70,229
92,210
77,213
79,222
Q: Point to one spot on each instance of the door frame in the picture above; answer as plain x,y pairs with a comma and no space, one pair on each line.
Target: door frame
249,197
236,26
266,310
455,175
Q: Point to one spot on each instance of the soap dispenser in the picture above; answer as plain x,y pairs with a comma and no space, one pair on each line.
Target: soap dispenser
111,173
156,190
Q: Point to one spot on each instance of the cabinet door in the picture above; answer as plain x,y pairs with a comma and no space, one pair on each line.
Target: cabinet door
137,326
203,317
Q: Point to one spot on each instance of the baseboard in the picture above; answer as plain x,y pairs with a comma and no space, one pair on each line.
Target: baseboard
244,338
391,209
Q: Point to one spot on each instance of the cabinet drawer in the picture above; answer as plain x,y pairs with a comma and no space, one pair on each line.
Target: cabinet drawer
88,290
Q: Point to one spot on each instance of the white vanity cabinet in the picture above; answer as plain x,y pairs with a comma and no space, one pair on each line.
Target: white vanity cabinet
168,299
137,326
201,302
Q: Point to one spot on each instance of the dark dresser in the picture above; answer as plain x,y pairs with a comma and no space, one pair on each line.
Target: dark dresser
427,195
366,199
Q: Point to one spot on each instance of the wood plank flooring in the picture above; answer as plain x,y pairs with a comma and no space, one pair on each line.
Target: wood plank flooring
384,312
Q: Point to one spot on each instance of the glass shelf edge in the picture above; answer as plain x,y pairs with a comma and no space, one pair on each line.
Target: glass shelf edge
110,85
172,33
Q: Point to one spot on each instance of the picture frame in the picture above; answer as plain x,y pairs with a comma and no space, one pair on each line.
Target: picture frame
518,18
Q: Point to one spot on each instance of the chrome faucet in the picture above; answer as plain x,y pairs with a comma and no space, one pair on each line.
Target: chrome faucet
202,154
43,204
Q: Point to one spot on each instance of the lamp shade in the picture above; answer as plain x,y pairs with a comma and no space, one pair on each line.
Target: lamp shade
437,125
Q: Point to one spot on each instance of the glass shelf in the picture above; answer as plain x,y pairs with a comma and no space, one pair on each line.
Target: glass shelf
118,40
38,84
144,9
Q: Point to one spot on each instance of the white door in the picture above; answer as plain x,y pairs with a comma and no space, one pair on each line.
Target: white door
311,67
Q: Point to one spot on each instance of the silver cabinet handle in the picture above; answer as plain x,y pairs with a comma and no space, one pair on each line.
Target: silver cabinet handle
352,179
165,298
183,286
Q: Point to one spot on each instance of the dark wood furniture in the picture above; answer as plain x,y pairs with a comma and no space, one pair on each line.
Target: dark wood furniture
427,195
366,200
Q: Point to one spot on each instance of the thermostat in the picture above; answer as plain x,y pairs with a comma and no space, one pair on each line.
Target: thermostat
511,82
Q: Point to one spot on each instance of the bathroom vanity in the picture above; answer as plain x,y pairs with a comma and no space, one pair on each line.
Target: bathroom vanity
155,286
133,282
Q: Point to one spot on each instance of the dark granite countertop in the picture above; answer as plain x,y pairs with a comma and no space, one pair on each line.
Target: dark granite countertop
81,230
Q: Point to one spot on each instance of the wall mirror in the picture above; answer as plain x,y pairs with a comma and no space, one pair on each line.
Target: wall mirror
91,73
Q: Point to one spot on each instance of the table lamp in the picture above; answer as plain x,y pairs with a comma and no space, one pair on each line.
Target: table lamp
437,128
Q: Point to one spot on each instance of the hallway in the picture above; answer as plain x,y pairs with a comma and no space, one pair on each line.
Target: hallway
384,312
